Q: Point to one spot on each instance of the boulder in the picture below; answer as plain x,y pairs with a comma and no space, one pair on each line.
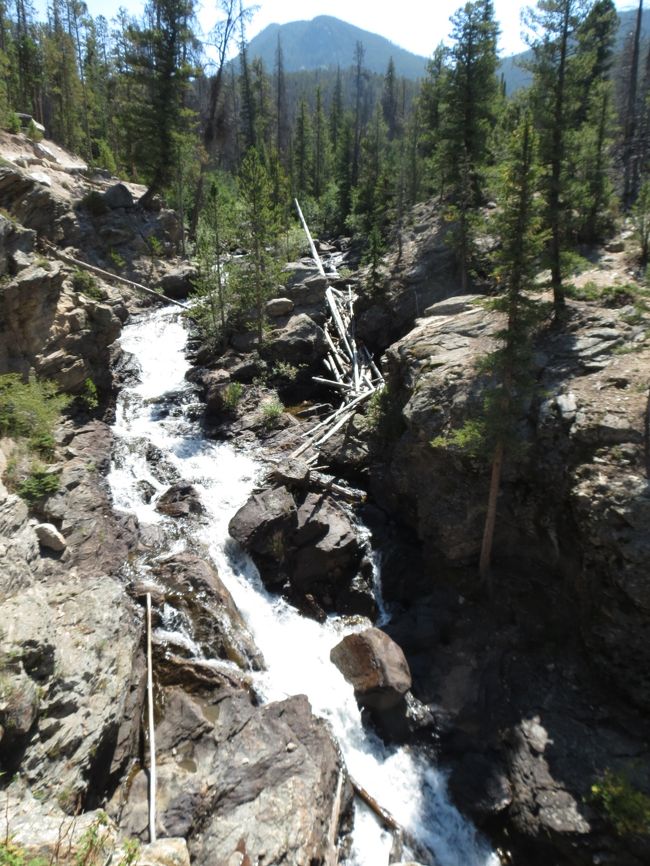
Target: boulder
238,779
164,852
36,205
311,549
318,282
301,341
291,472
40,177
279,307
50,537
19,705
38,828
180,500
118,196
328,548
264,522
296,272
179,282
215,383
193,587
376,667
452,306
46,326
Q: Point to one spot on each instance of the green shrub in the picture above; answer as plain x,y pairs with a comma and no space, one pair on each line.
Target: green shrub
39,483
13,855
33,132
621,295
13,123
105,158
89,396
588,292
471,439
572,263
272,411
232,394
86,284
30,410
116,260
285,370
627,808
156,246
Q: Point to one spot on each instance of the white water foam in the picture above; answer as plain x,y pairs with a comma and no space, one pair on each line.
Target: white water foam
296,649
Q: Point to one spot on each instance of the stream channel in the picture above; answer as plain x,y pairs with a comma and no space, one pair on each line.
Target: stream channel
155,412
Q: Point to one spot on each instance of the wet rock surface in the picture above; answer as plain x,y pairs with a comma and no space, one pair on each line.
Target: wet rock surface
194,589
306,544
180,500
273,788
375,665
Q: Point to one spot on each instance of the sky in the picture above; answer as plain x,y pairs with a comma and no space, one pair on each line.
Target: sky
417,25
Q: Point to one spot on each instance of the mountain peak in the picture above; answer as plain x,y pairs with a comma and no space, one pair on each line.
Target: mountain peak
328,42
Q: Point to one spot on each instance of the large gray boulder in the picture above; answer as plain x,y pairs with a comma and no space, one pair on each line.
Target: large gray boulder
235,778
195,589
178,282
279,307
71,710
180,500
306,544
301,341
118,196
375,665
264,522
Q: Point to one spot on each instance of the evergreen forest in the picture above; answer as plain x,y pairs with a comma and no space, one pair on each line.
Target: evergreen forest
230,144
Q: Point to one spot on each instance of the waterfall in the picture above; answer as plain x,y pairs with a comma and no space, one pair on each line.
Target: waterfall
152,414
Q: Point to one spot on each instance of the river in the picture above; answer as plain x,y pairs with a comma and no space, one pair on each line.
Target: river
158,411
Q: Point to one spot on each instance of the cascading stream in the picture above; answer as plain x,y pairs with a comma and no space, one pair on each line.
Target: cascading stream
151,415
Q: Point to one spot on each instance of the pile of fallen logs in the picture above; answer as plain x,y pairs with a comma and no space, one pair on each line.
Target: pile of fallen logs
352,373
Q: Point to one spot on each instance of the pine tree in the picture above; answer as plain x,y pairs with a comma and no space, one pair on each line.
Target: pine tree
259,233
518,227
359,81
248,118
630,119
587,189
431,110
161,63
344,177
213,288
389,101
28,60
336,111
302,153
62,83
470,94
555,26
281,111
320,157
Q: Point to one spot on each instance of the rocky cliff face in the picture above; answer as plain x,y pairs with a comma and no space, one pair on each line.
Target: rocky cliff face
576,506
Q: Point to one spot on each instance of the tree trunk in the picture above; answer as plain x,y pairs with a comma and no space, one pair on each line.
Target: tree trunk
490,517
629,128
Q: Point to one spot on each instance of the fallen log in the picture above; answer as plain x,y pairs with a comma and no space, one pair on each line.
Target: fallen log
152,734
107,275
312,246
342,386
391,823
343,408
